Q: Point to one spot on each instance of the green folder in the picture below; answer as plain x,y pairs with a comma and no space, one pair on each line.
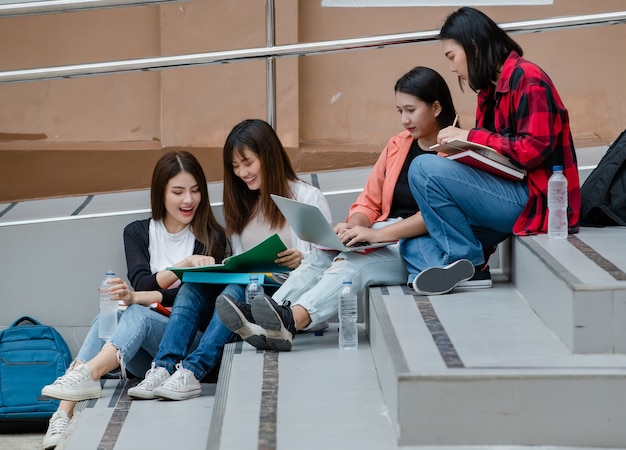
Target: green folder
259,259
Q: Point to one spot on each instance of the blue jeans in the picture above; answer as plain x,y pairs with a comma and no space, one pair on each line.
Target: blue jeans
316,283
137,337
463,208
194,310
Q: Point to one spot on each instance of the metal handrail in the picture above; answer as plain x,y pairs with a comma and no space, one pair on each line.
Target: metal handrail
58,6
270,62
302,49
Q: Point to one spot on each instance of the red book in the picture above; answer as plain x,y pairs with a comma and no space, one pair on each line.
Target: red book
161,309
481,157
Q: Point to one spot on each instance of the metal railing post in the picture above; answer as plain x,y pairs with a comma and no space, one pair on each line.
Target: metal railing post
270,62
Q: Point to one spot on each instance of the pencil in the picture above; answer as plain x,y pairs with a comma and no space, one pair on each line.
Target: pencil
456,119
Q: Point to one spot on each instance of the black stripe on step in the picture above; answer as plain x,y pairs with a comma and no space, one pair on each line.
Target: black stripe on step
269,401
82,206
112,432
438,332
7,209
597,258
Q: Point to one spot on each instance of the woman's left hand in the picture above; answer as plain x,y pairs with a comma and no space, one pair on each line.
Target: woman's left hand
289,258
121,291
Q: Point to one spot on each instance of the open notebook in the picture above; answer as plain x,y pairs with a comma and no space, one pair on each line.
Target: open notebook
310,225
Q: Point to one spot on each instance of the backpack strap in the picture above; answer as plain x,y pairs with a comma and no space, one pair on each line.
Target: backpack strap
24,319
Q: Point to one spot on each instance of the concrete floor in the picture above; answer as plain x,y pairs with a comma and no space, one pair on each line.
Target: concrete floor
17,437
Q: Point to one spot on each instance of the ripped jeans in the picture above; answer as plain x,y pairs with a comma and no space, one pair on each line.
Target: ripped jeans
316,283
137,337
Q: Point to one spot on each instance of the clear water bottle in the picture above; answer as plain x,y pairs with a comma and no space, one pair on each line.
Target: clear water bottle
348,312
557,204
108,309
253,288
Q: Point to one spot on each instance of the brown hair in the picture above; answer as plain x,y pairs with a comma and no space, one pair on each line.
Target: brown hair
242,204
204,225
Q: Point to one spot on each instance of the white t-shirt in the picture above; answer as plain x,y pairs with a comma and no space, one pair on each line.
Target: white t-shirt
167,249
258,230
302,192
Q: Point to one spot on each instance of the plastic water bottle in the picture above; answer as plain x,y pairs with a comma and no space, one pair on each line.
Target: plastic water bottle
253,288
108,309
557,204
348,311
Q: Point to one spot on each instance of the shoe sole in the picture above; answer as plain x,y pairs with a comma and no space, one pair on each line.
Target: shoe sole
235,321
277,336
53,443
177,395
50,446
476,284
141,394
441,280
52,392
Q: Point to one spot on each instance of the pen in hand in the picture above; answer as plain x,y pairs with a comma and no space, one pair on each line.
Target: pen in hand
456,119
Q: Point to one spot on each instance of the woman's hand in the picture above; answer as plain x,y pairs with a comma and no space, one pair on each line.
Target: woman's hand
196,261
341,227
289,258
120,291
448,134
352,235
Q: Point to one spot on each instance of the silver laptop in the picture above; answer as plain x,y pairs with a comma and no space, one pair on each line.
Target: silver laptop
310,225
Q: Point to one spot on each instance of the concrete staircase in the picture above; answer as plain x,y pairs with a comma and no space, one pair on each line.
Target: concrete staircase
536,360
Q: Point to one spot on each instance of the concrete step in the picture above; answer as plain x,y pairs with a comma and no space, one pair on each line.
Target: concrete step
115,421
479,367
539,361
577,286
315,396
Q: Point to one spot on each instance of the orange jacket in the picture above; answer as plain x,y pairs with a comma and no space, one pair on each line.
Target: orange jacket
375,199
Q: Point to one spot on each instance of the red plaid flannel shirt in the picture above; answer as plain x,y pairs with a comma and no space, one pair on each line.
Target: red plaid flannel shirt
523,118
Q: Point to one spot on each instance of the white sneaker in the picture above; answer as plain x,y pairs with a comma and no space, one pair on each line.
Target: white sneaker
75,385
180,386
154,377
56,429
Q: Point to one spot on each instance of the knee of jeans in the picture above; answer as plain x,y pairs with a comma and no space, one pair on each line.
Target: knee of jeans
188,298
421,169
335,266
187,289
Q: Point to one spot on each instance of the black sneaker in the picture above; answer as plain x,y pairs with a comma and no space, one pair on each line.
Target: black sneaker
441,280
480,280
277,320
237,317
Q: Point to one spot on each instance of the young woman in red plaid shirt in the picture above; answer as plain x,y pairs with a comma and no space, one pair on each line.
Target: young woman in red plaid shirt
519,114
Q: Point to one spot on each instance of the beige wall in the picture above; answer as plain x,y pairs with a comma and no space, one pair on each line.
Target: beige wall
104,133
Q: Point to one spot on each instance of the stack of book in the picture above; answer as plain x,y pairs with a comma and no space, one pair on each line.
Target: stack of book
481,157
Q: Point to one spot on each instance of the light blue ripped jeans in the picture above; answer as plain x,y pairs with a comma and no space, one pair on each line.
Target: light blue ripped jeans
137,338
316,283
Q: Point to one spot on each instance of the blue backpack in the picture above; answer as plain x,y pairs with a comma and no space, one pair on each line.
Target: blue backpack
31,356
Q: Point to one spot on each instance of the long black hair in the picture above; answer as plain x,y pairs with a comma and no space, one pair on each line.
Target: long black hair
427,85
204,225
486,45
240,203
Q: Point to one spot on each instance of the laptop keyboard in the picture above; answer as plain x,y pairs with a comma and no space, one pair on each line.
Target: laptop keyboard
358,244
